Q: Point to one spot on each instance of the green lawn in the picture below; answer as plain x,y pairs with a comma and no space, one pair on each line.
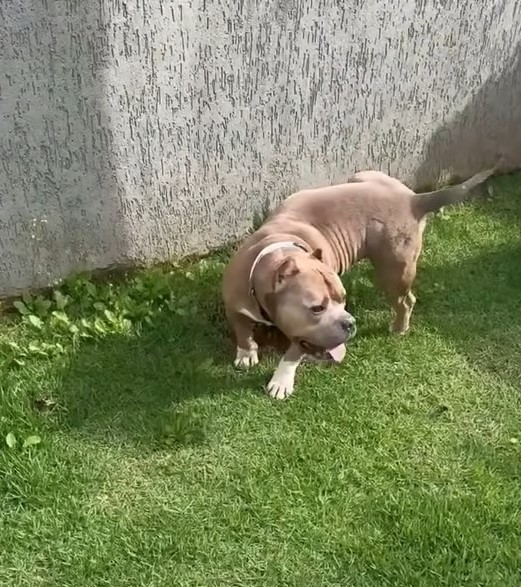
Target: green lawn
160,465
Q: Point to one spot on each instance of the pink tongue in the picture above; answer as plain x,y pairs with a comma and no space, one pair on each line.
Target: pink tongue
338,353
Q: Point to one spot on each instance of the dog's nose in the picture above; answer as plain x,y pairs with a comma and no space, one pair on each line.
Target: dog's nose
348,324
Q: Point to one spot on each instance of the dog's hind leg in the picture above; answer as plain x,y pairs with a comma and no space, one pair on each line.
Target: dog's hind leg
395,271
396,280
403,306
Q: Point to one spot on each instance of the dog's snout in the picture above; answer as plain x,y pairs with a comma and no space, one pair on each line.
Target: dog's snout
348,324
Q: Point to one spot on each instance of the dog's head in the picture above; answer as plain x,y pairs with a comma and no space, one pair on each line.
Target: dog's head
307,304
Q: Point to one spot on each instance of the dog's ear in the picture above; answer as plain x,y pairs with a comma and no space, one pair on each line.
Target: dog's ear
286,269
318,254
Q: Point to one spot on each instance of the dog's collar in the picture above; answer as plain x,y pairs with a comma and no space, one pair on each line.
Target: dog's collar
278,246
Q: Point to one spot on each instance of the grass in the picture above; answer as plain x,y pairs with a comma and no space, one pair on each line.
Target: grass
152,462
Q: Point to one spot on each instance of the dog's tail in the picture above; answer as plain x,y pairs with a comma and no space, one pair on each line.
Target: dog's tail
427,202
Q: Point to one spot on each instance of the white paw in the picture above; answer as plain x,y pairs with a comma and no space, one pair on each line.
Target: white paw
398,329
280,387
246,358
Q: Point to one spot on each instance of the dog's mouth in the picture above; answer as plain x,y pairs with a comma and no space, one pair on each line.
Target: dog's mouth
335,354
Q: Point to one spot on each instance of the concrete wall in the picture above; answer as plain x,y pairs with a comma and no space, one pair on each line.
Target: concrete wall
137,130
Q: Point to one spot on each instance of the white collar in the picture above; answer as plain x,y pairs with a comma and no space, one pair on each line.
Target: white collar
271,249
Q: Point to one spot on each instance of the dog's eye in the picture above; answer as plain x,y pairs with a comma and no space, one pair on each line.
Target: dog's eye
318,309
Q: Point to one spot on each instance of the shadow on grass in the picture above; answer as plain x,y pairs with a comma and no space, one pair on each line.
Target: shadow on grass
507,207
476,305
133,388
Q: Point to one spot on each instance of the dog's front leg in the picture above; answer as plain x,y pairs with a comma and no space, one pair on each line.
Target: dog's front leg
243,327
283,380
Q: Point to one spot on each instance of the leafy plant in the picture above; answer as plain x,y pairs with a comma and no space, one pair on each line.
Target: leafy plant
29,305
12,442
82,309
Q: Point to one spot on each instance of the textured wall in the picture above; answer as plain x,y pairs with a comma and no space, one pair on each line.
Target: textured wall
133,130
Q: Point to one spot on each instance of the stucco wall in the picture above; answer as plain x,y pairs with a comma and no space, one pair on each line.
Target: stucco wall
135,130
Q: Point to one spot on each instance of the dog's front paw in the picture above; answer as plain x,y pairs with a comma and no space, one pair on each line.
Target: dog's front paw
246,358
280,387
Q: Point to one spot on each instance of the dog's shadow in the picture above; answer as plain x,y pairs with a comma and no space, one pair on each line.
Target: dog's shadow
130,386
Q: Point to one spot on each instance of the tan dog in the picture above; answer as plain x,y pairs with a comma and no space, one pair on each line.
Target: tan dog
286,273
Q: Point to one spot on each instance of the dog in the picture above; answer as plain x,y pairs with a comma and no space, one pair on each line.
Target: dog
286,274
